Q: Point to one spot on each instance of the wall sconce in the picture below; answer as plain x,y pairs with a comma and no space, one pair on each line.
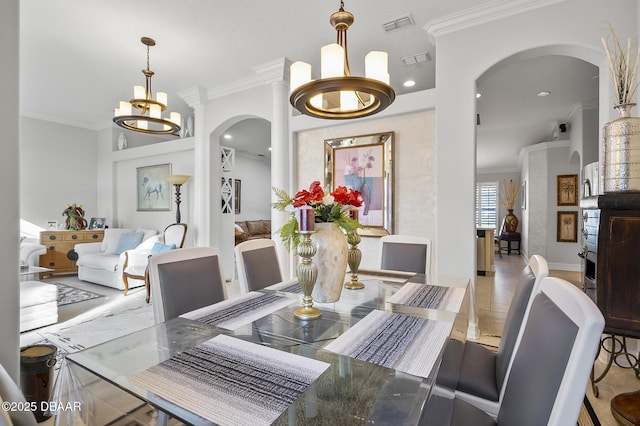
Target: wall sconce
177,181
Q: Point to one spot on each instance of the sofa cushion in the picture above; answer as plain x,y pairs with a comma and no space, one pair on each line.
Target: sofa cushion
243,226
111,238
148,233
256,227
103,261
128,241
160,248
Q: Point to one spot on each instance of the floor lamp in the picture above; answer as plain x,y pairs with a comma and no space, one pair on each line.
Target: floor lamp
177,181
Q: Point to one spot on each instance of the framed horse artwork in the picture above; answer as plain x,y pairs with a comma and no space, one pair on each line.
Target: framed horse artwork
154,190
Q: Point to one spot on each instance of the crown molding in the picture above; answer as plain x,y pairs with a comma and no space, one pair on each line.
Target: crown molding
492,11
194,96
269,72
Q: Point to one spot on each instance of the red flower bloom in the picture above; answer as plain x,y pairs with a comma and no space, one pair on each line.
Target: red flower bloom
346,196
315,194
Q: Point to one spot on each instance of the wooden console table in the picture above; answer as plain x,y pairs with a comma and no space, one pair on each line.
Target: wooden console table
60,256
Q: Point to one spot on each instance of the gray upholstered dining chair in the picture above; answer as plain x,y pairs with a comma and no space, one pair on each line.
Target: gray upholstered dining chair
184,280
406,253
257,264
482,372
9,392
550,369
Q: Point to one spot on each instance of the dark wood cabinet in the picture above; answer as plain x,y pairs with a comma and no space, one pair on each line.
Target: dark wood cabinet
618,273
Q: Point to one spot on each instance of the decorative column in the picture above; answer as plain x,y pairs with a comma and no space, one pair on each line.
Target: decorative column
280,158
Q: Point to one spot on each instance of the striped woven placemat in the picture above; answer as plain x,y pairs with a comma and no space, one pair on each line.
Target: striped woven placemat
231,381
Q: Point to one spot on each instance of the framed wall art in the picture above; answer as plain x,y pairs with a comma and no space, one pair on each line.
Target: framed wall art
364,163
237,195
154,190
568,190
567,227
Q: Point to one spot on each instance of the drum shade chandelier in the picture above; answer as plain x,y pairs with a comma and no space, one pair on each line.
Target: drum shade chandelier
338,94
148,115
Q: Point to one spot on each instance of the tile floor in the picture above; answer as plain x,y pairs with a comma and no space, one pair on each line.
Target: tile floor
493,295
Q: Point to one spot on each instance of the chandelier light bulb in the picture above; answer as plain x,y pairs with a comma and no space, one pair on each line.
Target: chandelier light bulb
300,73
332,61
376,66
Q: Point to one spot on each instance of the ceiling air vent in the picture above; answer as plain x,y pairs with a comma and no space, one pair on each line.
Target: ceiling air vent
398,23
417,58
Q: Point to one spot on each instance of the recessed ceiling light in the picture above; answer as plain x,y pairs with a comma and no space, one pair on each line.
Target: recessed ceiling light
544,93
269,148
409,83
478,95
227,136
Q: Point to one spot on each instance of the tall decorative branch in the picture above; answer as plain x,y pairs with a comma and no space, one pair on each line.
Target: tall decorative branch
509,195
623,63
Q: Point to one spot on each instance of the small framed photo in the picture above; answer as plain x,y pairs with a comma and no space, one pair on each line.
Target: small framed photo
567,227
568,190
96,223
52,225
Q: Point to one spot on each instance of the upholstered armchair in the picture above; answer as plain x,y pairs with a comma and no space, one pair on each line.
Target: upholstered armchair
136,261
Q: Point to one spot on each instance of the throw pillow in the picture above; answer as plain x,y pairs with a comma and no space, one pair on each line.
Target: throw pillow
128,241
111,238
161,248
238,228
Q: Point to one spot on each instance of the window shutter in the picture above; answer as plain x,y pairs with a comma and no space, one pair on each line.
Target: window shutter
487,204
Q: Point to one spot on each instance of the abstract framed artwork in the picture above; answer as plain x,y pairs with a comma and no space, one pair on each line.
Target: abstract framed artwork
364,163
154,190
567,227
568,190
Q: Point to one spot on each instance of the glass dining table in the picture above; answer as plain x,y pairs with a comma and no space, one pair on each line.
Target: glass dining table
371,358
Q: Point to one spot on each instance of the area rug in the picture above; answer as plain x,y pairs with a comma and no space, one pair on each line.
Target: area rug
68,295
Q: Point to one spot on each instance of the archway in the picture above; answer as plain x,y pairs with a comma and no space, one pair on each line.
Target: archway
243,144
541,100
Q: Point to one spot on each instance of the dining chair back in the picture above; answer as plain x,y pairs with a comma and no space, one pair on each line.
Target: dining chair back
406,253
551,366
257,264
483,372
175,234
10,392
184,280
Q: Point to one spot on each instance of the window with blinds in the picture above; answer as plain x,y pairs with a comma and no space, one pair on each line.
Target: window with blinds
487,204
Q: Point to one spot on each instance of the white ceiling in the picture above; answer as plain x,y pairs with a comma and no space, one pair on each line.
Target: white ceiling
78,58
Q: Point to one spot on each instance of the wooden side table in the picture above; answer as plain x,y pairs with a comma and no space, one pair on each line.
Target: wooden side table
511,237
625,408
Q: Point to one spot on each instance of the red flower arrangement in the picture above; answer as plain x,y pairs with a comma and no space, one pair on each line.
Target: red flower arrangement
328,207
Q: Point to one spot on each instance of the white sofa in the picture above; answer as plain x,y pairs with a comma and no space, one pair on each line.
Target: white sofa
98,264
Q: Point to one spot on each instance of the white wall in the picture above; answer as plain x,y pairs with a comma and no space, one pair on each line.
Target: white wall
414,165
58,168
255,176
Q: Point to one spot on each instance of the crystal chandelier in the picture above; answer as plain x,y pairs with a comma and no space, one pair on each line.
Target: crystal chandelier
148,115
338,94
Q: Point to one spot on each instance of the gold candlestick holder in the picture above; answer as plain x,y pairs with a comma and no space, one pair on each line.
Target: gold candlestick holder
353,260
307,272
